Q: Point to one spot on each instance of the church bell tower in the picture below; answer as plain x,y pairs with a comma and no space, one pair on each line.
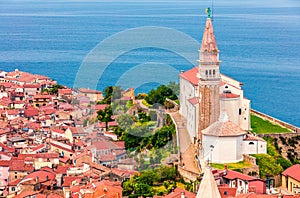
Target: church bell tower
209,78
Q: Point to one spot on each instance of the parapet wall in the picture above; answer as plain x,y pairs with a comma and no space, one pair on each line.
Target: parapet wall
276,121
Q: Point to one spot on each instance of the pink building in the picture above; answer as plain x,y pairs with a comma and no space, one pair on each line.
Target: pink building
4,166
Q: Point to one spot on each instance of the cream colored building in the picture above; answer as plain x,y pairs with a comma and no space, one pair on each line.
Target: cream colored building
291,179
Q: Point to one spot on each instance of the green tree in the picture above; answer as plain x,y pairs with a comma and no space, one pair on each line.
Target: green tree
149,177
160,94
54,89
175,87
141,96
142,189
125,121
128,187
105,115
111,93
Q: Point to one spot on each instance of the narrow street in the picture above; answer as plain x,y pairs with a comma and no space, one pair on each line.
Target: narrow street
186,147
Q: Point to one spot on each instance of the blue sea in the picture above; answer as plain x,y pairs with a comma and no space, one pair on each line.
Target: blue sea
259,43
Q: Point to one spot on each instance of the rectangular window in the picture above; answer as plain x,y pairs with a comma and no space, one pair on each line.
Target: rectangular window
240,111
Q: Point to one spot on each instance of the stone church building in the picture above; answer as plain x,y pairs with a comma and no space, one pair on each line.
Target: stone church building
217,113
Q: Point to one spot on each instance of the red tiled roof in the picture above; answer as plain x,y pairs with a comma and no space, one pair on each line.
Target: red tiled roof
101,145
223,129
64,159
62,169
42,176
19,165
12,112
29,193
293,172
23,156
108,157
49,111
120,144
31,112
4,131
236,175
46,155
4,163
84,90
57,130
14,182
32,86
46,168
100,107
65,91
34,126
61,147
194,100
252,137
3,125
79,143
68,180
229,95
42,96
112,123
191,76
9,149
39,147
177,193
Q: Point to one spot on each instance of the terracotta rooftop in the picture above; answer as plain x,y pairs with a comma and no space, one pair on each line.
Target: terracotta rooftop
19,165
237,175
229,95
252,137
84,90
293,172
177,193
209,42
194,100
4,163
191,76
223,128
32,86
39,177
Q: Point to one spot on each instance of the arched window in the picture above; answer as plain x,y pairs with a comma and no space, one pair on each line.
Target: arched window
251,143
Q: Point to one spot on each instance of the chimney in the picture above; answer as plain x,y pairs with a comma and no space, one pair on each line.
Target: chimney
182,195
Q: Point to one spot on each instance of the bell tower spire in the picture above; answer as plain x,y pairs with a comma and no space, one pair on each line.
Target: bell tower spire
209,77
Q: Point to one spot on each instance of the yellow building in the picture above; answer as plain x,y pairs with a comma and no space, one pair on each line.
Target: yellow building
94,95
291,179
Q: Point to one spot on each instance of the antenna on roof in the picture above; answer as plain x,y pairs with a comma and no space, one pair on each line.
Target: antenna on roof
212,10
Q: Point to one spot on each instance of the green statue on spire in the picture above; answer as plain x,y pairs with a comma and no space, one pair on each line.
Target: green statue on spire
208,12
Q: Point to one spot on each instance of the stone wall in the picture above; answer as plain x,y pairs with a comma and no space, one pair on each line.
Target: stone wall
277,181
249,159
277,135
187,175
254,169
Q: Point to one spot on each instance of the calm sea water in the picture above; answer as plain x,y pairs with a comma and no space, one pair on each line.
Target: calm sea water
259,42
